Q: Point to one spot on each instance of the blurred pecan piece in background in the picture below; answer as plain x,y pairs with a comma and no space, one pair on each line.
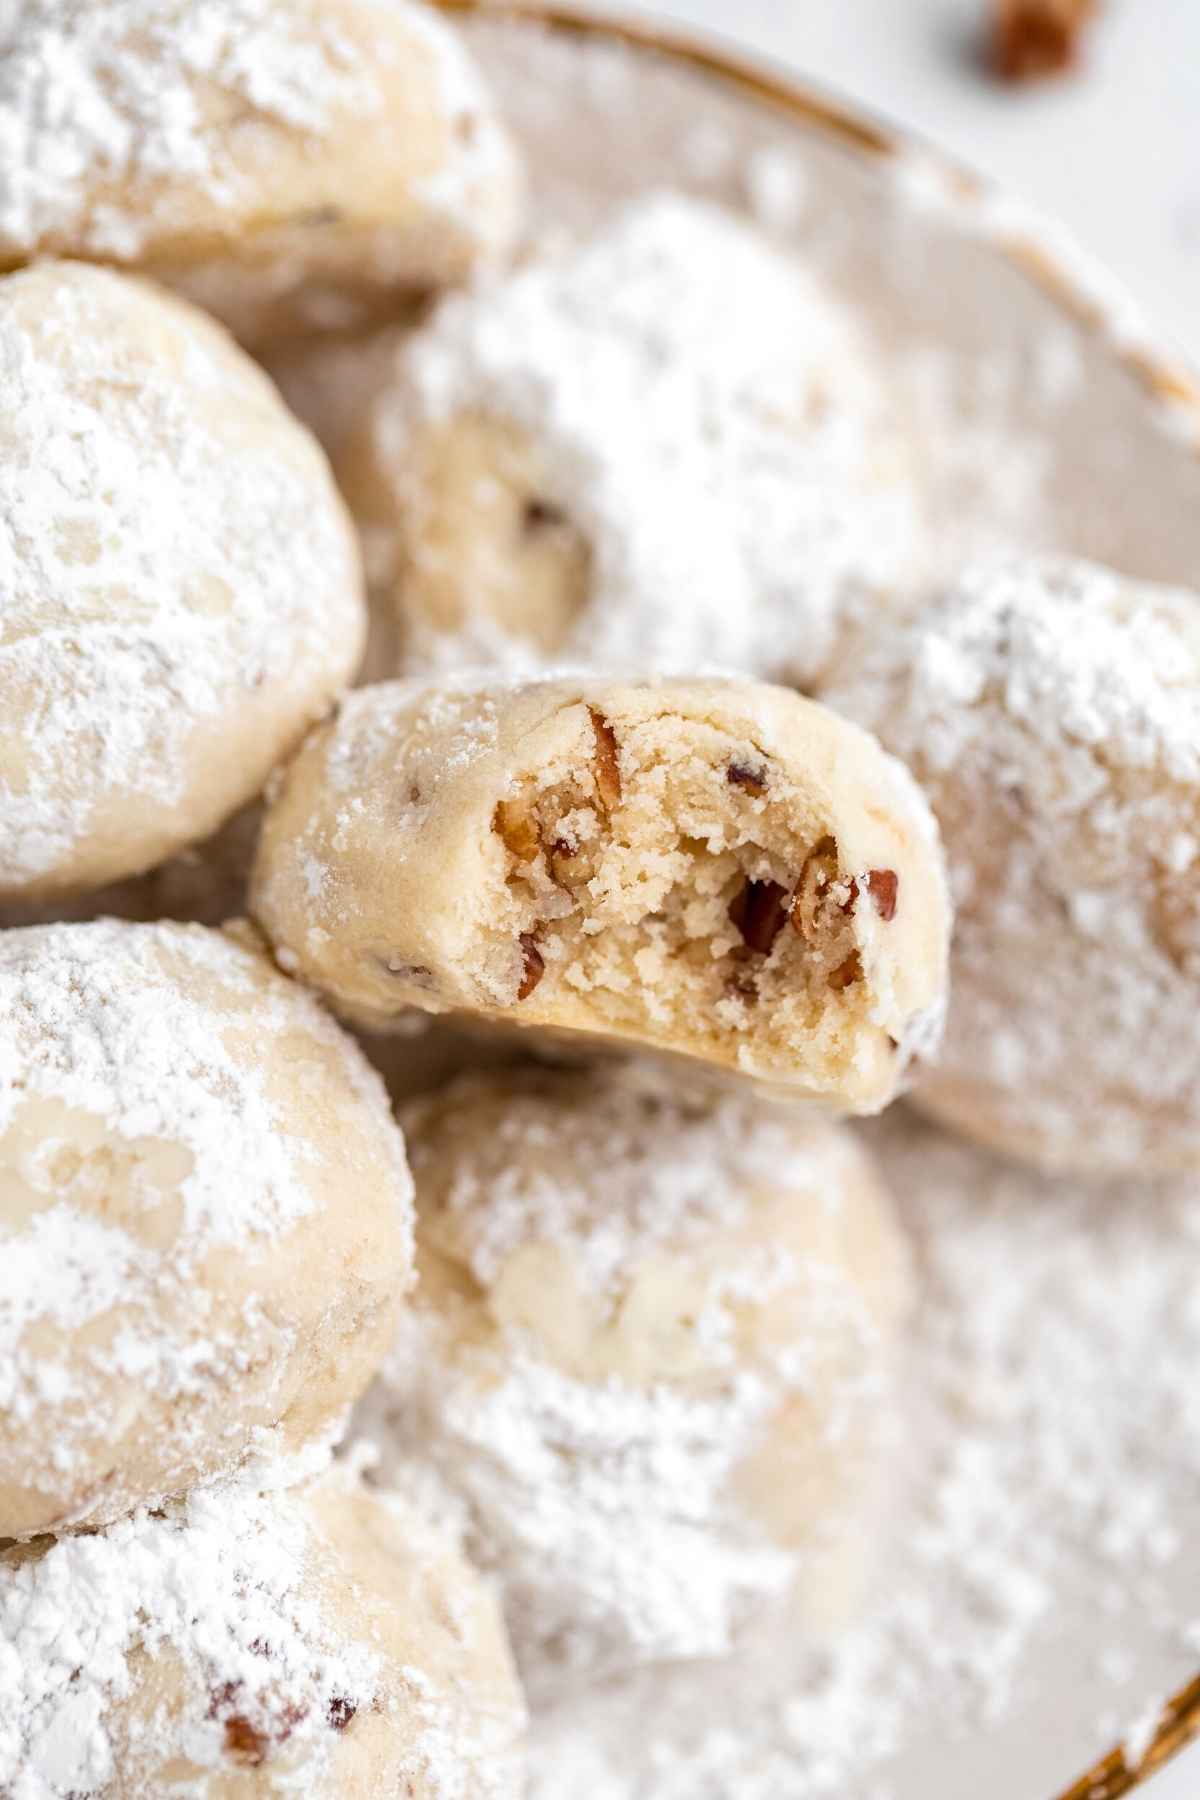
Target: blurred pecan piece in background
1033,38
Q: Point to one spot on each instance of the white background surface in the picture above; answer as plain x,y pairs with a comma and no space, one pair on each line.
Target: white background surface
1114,152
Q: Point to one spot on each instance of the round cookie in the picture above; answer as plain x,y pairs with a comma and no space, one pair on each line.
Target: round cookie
288,164
181,594
205,1216
667,447
715,868
1051,710
648,1360
239,1645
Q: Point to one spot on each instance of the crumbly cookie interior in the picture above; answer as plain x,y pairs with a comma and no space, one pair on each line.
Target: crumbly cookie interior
684,889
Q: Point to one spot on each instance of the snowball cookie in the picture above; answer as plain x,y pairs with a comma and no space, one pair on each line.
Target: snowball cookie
181,595
668,446
235,1644
648,1357
1052,711
286,163
205,1217
716,868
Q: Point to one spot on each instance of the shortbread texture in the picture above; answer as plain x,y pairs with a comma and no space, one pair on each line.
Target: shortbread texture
720,869
288,164
181,594
205,1216
240,1645
667,446
649,1361
1051,710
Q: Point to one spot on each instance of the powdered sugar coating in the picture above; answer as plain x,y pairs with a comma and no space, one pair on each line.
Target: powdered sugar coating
646,1362
681,400
276,159
206,1216
318,1641
1051,710
180,587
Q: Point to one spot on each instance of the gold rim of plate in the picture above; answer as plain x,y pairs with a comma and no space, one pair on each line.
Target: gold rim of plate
1167,381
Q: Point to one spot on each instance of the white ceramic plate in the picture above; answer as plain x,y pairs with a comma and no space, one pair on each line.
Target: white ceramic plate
1045,418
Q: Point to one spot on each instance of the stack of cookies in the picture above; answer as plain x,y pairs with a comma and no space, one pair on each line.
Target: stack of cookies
438,1269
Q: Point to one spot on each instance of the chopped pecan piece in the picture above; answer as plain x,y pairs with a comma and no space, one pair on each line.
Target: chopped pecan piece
533,965
541,515
846,973
605,767
514,822
751,781
244,1742
813,891
570,863
1033,38
517,825
883,885
759,912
